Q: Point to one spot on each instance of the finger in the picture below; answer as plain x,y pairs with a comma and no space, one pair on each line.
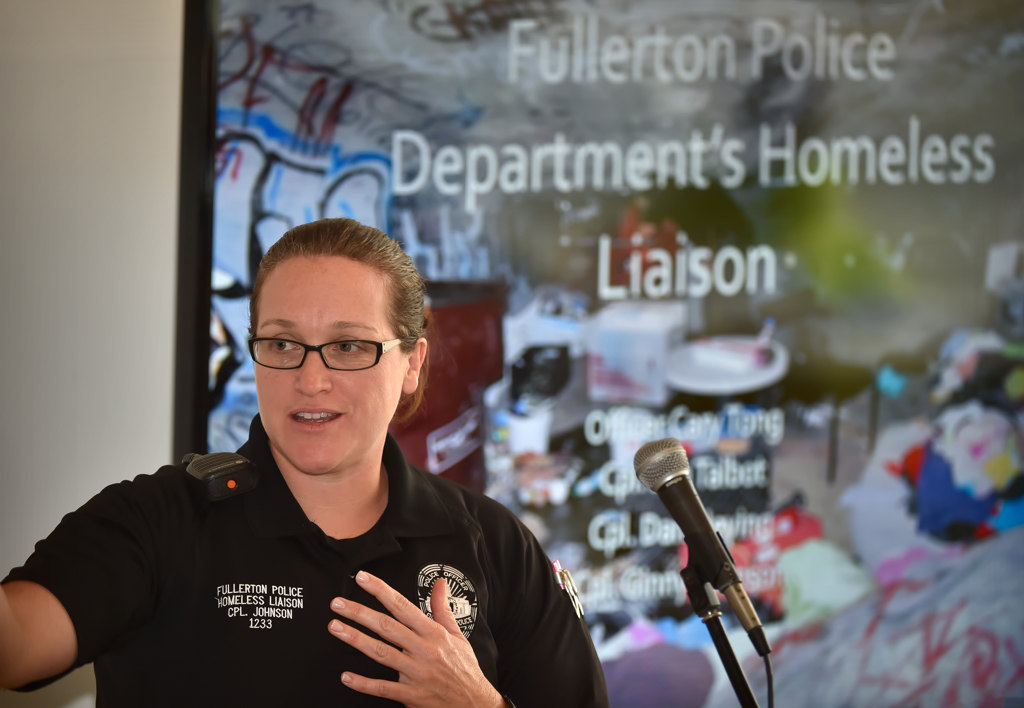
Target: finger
440,608
394,602
376,687
380,623
380,651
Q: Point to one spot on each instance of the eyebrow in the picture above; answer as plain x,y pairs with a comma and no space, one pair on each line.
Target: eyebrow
339,325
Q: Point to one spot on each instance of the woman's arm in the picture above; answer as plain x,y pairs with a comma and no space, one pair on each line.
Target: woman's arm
37,638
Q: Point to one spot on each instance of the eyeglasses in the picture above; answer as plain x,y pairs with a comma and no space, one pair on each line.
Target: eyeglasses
346,355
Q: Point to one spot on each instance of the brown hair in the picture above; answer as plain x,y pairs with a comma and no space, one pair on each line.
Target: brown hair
364,244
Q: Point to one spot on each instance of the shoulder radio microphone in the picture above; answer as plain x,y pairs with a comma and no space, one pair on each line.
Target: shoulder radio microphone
221,474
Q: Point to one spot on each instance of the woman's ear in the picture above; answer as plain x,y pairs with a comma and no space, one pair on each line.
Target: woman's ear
412,374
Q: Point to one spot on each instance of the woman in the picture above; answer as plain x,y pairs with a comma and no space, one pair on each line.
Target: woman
430,594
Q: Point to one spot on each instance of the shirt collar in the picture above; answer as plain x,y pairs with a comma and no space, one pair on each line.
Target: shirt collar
414,508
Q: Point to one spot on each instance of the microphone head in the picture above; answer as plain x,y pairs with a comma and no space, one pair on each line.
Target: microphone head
660,462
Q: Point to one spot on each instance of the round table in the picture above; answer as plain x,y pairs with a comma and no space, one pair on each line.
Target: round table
684,373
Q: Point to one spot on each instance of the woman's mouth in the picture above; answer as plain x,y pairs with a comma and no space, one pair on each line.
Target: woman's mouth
314,417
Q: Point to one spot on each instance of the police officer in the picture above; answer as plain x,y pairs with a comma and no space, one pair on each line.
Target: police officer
430,594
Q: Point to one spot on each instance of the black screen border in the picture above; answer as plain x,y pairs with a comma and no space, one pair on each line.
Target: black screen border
195,225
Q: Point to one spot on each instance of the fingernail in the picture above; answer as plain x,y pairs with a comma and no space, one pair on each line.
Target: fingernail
346,678
337,604
362,577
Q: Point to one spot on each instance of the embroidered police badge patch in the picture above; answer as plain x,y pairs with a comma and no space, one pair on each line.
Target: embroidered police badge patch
462,597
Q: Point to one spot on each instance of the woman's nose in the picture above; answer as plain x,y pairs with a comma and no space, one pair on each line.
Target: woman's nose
313,375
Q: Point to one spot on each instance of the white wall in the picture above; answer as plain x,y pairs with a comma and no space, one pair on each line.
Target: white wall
90,102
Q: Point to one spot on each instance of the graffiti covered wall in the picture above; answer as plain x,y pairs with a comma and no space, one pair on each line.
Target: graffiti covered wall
787,234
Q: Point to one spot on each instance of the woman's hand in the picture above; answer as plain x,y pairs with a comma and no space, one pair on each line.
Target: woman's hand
435,663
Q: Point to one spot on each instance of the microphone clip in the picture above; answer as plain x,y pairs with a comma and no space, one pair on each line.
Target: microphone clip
703,597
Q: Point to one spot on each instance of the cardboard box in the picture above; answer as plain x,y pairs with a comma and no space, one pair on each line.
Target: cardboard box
628,344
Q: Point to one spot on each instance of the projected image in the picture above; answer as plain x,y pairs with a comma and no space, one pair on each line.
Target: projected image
789,236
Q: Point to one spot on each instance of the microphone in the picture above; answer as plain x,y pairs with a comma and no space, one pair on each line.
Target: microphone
663,468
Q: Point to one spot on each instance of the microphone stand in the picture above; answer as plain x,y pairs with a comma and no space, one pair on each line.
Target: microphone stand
704,600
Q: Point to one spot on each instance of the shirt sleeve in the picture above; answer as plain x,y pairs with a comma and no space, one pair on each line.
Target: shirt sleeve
546,654
102,561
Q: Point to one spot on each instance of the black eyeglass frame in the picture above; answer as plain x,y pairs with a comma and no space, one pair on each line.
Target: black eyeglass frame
382,349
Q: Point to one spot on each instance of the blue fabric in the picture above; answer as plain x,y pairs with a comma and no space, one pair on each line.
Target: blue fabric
941,503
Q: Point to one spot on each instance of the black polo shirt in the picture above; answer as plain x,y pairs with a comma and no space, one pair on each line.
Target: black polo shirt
179,601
